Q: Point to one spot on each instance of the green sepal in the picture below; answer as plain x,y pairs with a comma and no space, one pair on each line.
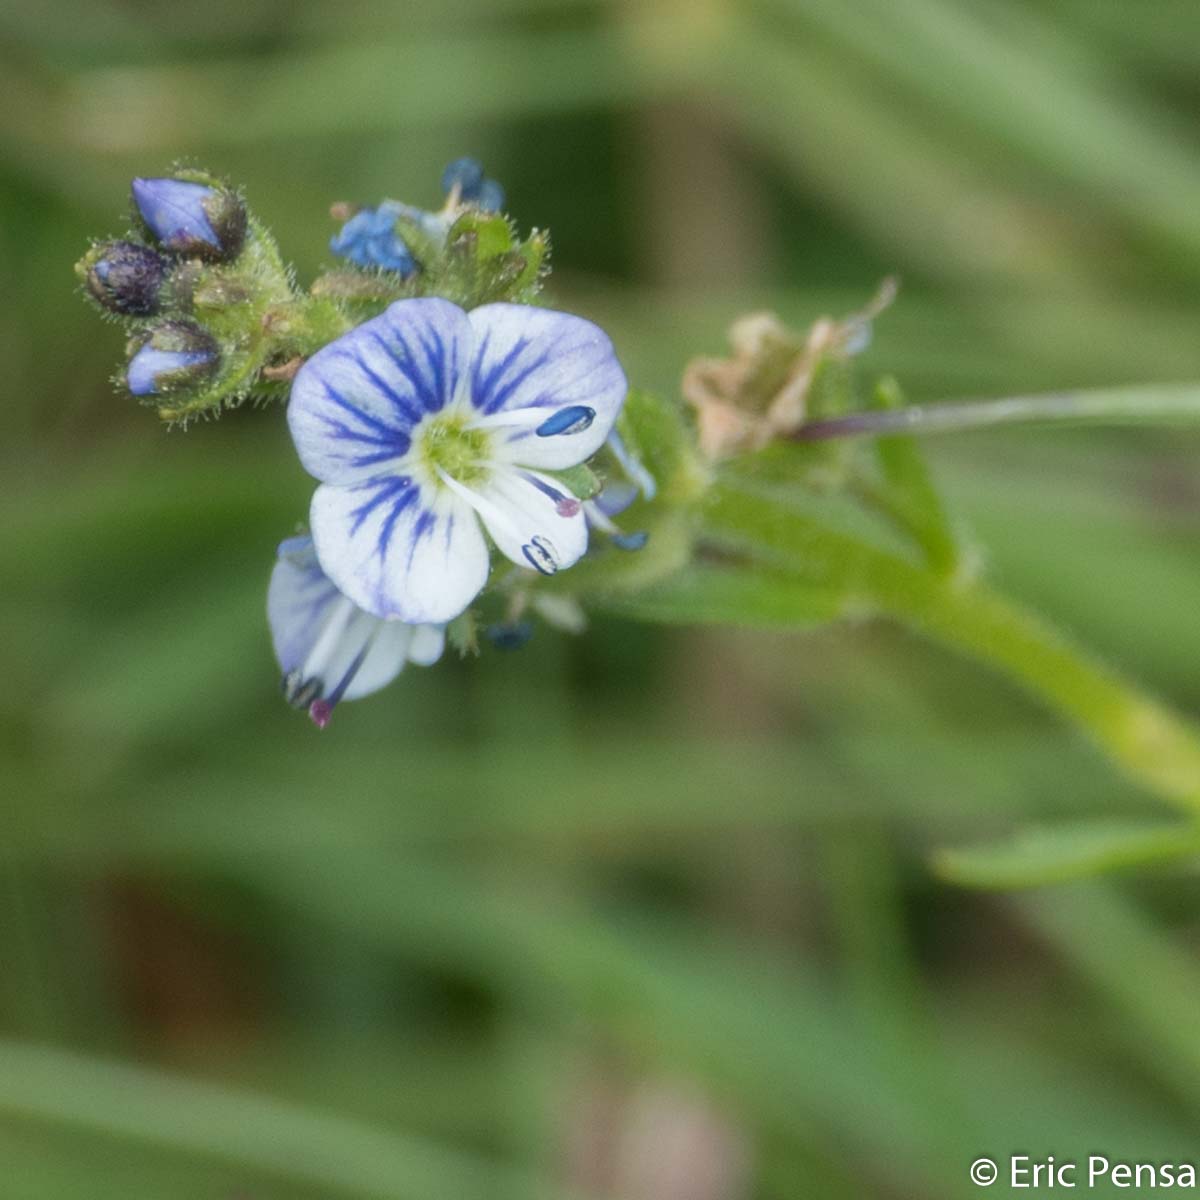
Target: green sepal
463,634
484,262
582,482
482,235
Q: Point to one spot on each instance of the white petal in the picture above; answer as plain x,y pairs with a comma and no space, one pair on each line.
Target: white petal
533,521
355,403
299,600
384,659
428,642
400,551
531,363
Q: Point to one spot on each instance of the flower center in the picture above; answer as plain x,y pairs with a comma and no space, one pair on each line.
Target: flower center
447,444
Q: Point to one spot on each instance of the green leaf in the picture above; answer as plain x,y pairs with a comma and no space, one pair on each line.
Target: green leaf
1040,856
255,1132
712,595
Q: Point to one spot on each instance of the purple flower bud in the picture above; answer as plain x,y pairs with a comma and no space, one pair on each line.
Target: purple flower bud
126,278
177,354
192,219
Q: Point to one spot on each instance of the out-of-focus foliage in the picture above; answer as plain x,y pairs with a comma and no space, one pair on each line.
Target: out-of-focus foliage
501,929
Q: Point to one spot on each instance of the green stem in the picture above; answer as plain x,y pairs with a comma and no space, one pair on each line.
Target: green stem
1165,403
1143,736
303,325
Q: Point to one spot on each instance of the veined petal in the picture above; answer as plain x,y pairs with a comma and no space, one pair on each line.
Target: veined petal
354,404
384,658
532,520
299,599
398,550
529,364
329,649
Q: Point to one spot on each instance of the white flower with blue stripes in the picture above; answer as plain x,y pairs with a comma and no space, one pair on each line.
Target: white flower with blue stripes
428,425
328,648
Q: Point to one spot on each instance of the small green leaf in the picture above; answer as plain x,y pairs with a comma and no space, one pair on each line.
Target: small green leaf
1036,857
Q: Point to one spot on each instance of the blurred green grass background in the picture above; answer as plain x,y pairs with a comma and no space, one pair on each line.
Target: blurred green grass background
643,915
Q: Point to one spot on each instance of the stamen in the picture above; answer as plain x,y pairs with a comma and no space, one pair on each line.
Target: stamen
573,419
300,691
320,711
568,506
630,541
541,555
485,508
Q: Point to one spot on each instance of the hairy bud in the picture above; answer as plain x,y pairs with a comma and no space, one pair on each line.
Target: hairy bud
191,219
125,277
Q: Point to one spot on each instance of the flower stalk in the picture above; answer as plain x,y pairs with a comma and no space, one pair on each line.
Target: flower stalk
1141,735
1157,403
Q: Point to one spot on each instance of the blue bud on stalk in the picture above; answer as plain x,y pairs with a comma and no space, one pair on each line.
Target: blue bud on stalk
490,197
193,220
177,354
474,187
125,277
464,173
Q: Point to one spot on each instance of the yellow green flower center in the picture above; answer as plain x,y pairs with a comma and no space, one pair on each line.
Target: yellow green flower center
447,444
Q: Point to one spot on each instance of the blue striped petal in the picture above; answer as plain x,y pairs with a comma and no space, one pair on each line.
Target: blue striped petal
298,601
354,404
534,364
328,649
400,551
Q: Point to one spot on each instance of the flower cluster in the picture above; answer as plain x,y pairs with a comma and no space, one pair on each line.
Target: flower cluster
184,221
194,282
447,438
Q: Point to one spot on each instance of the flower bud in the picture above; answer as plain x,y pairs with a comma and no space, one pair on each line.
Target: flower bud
176,354
125,277
192,219
369,238
466,174
490,197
